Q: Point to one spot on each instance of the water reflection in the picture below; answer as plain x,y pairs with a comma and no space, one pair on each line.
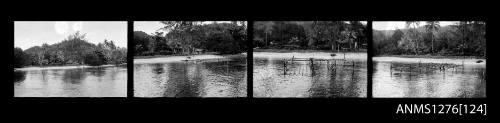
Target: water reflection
19,76
336,78
206,78
392,79
73,76
78,82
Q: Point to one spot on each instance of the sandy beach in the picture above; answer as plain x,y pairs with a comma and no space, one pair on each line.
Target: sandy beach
180,58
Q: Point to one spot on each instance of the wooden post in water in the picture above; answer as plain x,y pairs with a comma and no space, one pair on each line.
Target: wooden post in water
294,70
332,66
484,74
306,69
419,69
410,71
284,66
300,70
390,68
353,69
444,72
335,63
463,66
311,61
352,76
444,69
426,68
312,66
328,64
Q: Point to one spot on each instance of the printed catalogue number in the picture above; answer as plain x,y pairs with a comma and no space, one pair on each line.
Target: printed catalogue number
454,109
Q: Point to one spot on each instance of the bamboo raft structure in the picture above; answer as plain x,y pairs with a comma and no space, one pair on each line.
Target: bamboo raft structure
331,65
420,68
426,68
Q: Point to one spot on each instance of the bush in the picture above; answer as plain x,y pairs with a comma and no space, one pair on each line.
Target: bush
94,58
20,58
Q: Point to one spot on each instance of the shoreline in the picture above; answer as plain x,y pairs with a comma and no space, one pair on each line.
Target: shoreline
161,56
432,56
62,67
466,61
306,51
317,55
161,59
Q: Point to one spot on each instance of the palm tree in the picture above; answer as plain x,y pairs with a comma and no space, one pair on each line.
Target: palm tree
412,25
462,27
432,26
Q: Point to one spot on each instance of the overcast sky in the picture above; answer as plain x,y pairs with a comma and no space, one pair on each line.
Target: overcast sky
393,25
148,27
35,33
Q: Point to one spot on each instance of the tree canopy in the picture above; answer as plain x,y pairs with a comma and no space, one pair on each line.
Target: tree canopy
188,37
466,38
76,50
323,35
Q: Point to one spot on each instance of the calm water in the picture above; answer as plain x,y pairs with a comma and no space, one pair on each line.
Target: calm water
452,81
226,77
77,82
301,79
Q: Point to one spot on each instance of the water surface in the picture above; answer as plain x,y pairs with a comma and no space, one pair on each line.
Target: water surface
334,78
71,82
426,79
219,77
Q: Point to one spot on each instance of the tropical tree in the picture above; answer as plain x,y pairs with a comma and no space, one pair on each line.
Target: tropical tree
327,32
141,42
413,35
184,33
20,58
75,50
432,27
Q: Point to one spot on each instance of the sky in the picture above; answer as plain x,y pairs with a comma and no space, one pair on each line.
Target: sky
393,25
35,33
150,27
363,22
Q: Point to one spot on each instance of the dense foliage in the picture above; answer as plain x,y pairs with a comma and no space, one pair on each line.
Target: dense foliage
74,50
324,35
191,37
20,58
466,38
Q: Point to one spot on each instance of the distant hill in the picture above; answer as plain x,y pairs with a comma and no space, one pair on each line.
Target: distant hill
76,50
70,50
